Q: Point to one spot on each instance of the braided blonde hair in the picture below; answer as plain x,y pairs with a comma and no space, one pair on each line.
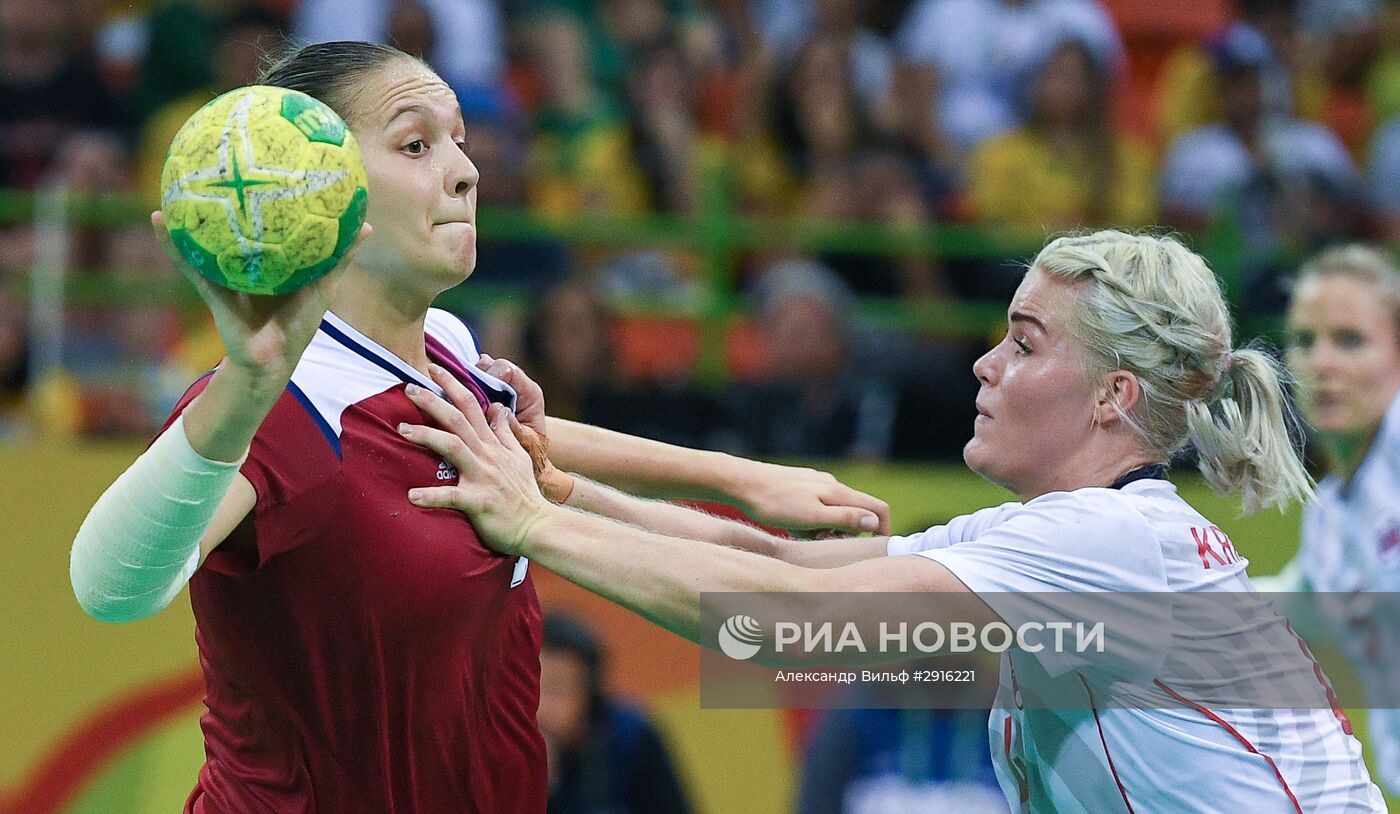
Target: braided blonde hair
1155,309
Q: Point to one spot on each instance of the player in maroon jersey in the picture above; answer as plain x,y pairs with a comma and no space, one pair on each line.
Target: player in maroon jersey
361,653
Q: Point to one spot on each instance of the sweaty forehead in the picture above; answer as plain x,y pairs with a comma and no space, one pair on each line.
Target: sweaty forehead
404,84
1047,299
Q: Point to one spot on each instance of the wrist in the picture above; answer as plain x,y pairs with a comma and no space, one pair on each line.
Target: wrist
731,475
540,529
258,379
556,486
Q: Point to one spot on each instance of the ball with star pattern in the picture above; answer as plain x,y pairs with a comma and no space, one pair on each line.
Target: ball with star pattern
264,190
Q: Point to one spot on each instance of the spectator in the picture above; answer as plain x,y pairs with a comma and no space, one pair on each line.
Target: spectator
979,48
665,135
1291,84
1383,80
873,761
878,184
1350,46
869,55
819,117
1287,183
50,90
180,36
908,121
1065,167
468,35
819,401
568,347
605,756
243,39
1385,179
580,155
14,365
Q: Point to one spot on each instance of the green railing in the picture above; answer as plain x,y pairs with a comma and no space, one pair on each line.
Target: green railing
717,236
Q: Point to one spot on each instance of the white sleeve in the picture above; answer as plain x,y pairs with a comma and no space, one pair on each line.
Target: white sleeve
958,530
139,544
1085,560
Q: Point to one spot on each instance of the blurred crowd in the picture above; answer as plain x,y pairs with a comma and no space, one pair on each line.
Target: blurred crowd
1273,122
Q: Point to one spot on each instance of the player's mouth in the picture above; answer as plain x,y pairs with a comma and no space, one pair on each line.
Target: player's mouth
982,412
1327,400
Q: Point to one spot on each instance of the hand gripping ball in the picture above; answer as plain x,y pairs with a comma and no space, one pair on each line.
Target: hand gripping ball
263,190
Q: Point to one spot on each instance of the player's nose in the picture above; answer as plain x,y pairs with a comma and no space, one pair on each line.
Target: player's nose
985,367
461,175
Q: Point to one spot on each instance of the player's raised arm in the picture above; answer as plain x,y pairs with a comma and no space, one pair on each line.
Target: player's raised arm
153,527
786,496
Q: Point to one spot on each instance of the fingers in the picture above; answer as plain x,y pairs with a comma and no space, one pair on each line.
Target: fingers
503,424
872,507
847,518
456,392
507,371
436,497
443,413
168,246
449,447
462,399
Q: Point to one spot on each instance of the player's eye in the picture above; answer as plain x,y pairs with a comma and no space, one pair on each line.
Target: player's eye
465,146
1302,340
415,147
1350,339
1022,348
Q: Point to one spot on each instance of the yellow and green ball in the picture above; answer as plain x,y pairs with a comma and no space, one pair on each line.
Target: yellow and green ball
264,190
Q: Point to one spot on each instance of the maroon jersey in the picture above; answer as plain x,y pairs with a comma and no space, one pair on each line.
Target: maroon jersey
362,654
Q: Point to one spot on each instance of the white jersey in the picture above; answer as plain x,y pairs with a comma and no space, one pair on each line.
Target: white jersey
1350,554
1137,740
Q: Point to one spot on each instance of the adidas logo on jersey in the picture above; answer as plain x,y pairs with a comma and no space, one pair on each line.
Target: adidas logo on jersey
446,471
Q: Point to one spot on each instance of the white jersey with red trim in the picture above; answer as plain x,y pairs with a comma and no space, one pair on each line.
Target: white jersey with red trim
1350,558
1130,732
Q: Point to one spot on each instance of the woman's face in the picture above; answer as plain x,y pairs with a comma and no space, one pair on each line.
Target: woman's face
1065,90
422,185
564,697
1035,407
1345,353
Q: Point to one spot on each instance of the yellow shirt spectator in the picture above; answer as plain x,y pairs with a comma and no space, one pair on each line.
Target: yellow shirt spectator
1021,179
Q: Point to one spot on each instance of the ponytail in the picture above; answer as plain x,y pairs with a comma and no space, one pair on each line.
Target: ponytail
1244,438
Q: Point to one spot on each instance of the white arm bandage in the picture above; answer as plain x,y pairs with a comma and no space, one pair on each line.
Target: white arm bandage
140,542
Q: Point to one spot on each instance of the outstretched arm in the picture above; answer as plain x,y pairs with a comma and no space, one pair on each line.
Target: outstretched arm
786,496
659,577
651,515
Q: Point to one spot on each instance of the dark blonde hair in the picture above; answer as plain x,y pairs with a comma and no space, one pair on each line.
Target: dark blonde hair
331,71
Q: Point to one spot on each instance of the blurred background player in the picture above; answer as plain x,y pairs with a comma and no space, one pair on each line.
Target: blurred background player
1344,348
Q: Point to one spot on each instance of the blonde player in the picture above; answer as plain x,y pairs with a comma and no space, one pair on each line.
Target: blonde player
1118,350
1344,326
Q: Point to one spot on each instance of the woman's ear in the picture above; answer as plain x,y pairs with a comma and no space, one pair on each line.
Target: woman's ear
1120,388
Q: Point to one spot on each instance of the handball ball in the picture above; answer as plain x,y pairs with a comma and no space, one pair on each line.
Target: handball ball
263,190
